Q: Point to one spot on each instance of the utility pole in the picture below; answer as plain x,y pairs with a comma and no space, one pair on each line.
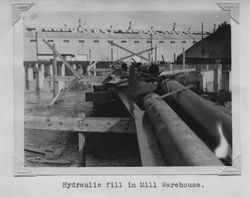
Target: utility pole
202,47
54,72
36,45
151,41
183,58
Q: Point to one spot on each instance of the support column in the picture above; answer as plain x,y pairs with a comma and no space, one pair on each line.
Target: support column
81,69
29,74
42,68
90,58
155,53
62,69
82,151
94,74
51,70
183,58
36,65
219,76
54,72
40,80
171,67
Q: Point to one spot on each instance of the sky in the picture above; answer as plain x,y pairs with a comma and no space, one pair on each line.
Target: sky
162,20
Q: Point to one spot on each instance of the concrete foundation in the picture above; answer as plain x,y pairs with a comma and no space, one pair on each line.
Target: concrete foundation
42,68
29,74
36,66
51,70
40,80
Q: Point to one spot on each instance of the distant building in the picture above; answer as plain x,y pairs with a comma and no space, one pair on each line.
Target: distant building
212,49
82,44
209,53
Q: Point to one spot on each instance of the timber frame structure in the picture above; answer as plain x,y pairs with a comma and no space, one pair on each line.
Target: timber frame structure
148,146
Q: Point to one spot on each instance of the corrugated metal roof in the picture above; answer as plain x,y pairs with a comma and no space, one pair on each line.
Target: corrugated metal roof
108,34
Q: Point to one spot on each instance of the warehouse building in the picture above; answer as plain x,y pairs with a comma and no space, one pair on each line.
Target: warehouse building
85,44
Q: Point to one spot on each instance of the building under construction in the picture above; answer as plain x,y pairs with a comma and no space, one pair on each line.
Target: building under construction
80,44
161,110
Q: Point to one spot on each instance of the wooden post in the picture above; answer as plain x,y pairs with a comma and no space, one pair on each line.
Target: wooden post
54,72
216,79
62,69
155,53
36,66
42,68
51,70
90,58
171,67
40,80
183,58
112,53
163,58
82,151
81,69
151,43
29,76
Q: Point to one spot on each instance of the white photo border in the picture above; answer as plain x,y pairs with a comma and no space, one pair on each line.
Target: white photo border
18,11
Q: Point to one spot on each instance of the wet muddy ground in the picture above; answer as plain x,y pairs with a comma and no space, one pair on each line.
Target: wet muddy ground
56,148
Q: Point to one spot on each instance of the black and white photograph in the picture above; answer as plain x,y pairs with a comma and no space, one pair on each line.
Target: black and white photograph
106,98
127,88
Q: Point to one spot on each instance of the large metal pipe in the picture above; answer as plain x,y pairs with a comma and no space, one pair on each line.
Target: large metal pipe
150,69
179,144
211,124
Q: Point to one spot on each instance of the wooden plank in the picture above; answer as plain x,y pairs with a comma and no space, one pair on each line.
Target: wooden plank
70,78
102,96
82,150
149,148
63,91
104,70
50,161
174,72
35,150
130,105
62,58
151,154
60,78
88,124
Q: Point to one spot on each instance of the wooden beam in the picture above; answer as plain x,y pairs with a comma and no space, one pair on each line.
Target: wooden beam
130,105
102,96
175,91
70,78
150,151
173,72
62,58
63,91
82,150
60,78
104,70
133,54
88,124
